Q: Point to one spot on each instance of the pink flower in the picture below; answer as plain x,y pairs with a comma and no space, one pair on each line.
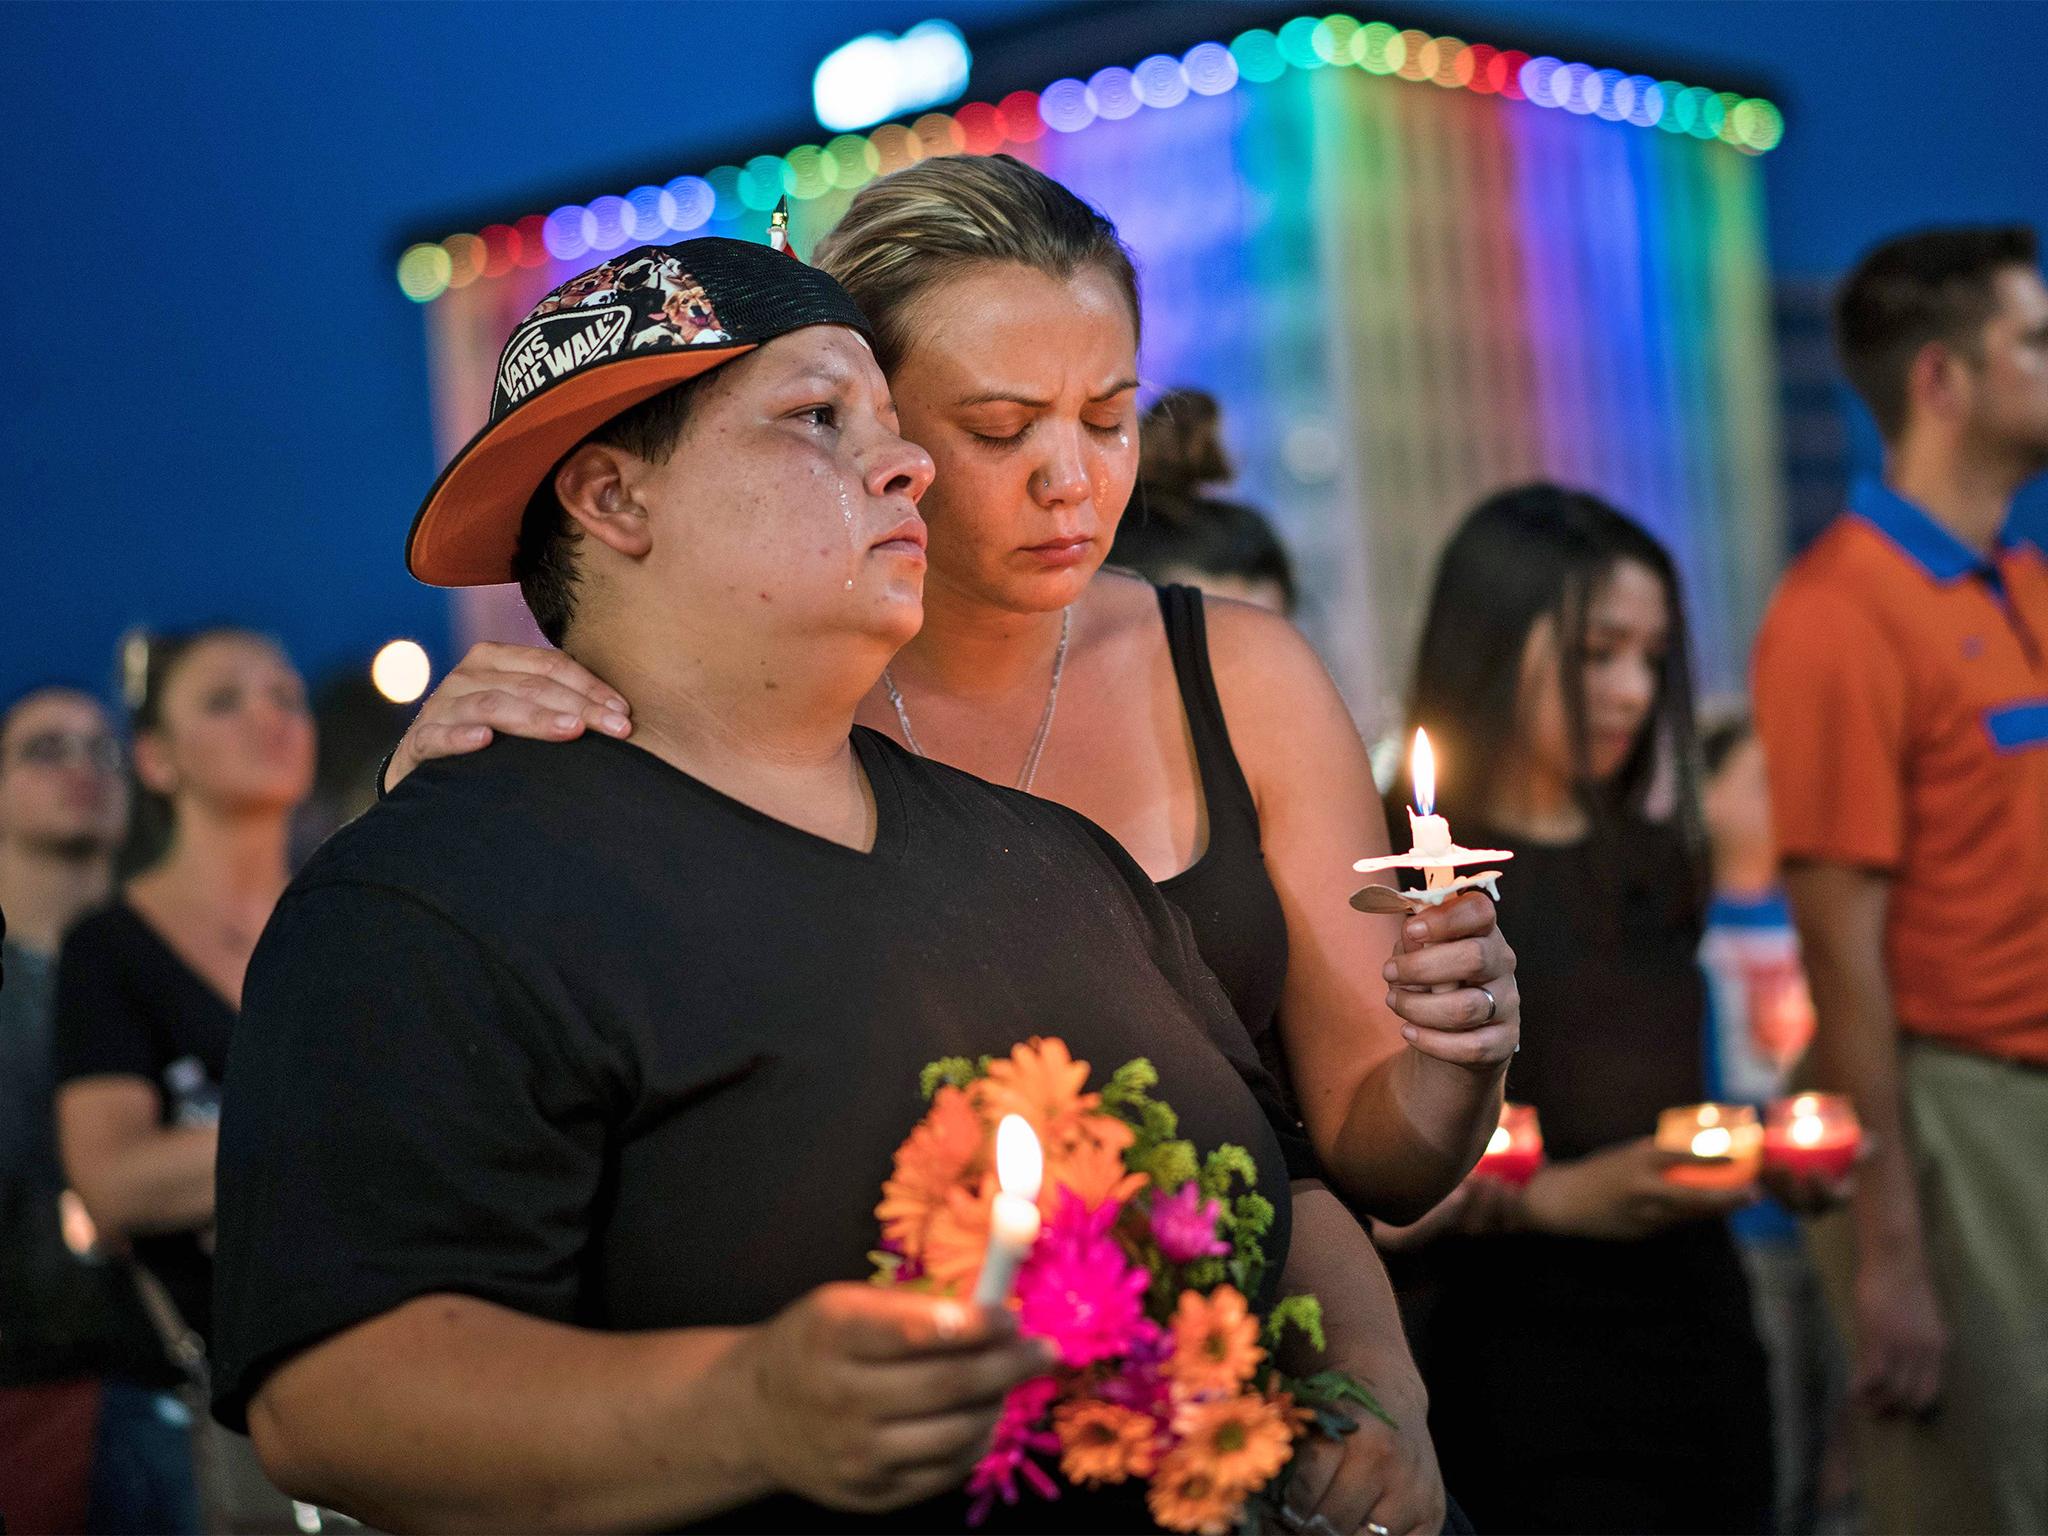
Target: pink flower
1184,1225
1020,1431
1078,1289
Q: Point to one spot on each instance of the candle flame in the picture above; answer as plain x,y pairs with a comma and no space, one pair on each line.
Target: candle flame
1499,1141
1806,1130
1020,1162
1806,1104
1422,772
1713,1142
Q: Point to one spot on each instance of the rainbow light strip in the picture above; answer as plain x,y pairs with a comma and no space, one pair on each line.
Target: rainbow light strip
1258,57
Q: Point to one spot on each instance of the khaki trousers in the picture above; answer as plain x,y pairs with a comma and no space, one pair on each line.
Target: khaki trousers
1980,1144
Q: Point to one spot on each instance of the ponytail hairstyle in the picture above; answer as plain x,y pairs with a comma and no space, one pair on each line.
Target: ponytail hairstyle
1180,443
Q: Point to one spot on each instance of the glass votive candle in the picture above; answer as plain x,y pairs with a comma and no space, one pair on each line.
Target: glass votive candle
1722,1144
1515,1151
1812,1133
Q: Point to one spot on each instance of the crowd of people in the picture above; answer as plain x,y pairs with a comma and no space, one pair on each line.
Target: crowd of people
511,1161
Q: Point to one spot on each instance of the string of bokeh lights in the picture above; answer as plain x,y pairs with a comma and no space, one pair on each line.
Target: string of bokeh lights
690,203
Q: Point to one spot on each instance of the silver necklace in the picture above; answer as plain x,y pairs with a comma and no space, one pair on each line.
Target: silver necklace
1052,698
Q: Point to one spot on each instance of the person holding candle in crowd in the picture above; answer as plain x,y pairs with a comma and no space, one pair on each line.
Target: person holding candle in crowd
1902,696
1586,1339
1760,1021
1205,736
571,1073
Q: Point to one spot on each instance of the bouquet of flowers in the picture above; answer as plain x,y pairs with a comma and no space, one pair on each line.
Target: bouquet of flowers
1145,1256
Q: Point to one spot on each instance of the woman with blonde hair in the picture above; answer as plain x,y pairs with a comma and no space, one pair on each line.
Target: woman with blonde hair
1207,738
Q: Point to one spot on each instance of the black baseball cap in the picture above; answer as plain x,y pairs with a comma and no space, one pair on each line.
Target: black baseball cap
607,339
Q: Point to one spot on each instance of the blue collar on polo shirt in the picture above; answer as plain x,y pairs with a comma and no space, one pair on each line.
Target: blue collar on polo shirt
1937,551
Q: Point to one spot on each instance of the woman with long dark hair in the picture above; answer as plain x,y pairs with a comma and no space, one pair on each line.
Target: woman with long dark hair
1587,1341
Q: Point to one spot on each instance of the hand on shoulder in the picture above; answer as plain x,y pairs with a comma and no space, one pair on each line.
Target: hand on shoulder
523,690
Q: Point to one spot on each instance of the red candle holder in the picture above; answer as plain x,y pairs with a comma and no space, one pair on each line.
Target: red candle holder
1722,1144
1515,1151
1812,1133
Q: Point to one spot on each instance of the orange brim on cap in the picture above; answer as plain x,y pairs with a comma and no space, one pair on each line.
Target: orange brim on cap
467,529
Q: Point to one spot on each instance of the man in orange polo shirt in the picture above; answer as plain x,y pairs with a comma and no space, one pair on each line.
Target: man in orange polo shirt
1902,696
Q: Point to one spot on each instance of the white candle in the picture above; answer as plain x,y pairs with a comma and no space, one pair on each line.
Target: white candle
1428,834
1013,1223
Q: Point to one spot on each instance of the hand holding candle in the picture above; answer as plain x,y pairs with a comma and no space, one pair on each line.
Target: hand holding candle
1814,1134
1432,851
1013,1221
1723,1144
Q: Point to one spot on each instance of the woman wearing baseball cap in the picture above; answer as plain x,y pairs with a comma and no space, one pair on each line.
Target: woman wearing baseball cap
568,1076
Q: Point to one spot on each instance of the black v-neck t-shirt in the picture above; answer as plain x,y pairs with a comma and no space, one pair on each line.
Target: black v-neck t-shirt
566,1029
127,1005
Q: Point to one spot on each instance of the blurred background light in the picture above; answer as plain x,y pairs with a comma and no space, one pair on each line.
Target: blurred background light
1113,94
893,77
1211,69
401,671
1065,106
423,272
879,76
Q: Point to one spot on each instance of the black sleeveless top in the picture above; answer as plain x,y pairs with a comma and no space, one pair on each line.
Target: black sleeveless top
1226,893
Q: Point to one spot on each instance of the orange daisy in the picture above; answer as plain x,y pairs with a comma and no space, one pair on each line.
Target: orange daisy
1040,1081
1215,1343
956,1239
947,1149
1242,1441
1091,1164
1105,1442
1185,1496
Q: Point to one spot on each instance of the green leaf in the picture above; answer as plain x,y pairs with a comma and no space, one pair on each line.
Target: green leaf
1327,1389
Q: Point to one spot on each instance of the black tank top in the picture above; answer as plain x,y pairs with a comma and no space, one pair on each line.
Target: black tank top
1229,899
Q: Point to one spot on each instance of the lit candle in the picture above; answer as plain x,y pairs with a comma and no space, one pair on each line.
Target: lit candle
1812,1133
1722,1142
1515,1151
1429,833
1013,1223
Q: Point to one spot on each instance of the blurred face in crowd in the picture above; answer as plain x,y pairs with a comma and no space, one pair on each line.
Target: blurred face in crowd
233,731
2008,386
1628,630
62,790
787,506
1023,388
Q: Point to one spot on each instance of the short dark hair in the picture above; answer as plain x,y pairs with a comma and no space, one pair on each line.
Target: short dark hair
56,687
1935,285
544,563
